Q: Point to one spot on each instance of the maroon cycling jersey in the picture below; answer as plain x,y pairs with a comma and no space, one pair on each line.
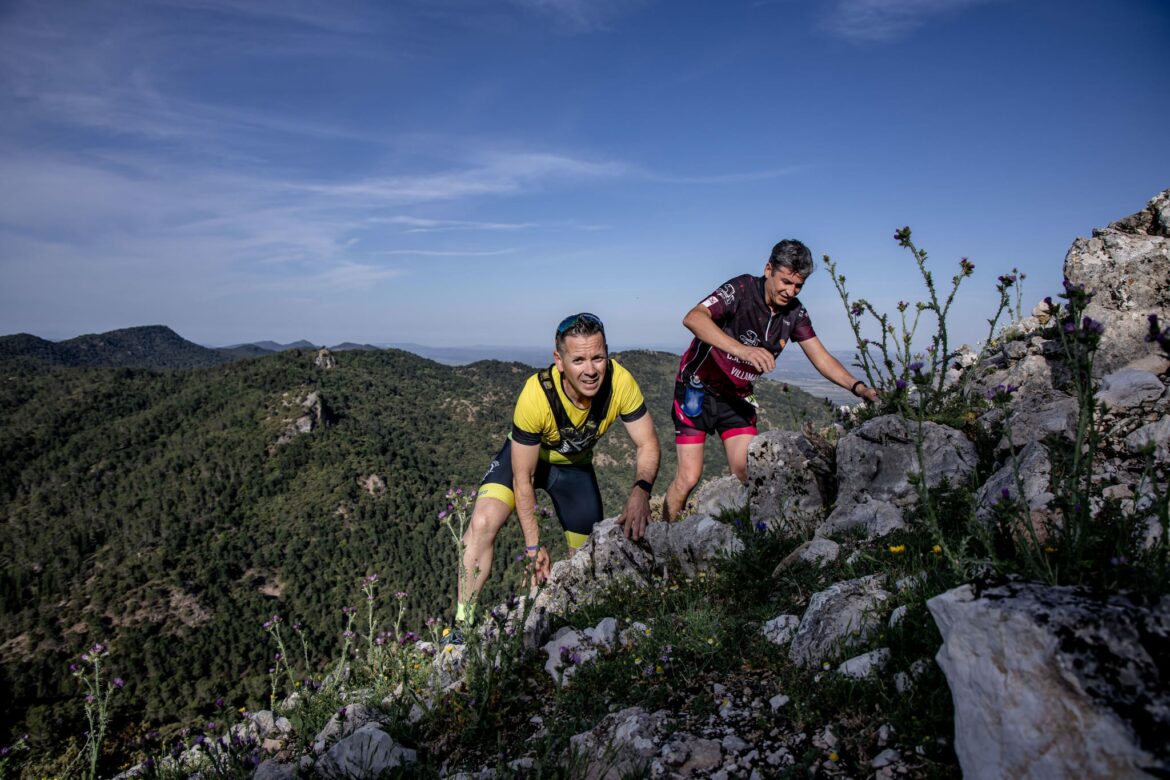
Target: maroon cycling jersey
738,308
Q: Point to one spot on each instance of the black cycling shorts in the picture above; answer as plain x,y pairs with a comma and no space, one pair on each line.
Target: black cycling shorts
573,489
725,416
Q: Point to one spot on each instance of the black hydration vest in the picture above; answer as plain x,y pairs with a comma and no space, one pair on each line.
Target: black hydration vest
575,440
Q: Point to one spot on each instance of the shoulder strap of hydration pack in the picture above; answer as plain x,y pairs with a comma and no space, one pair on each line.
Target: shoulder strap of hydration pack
574,439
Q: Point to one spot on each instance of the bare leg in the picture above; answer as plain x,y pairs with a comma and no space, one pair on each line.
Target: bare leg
736,448
690,468
487,518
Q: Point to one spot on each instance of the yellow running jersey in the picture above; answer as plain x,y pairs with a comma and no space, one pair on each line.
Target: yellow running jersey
533,421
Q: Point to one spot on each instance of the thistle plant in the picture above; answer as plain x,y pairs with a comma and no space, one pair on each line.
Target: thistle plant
897,367
97,703
8,756
455,519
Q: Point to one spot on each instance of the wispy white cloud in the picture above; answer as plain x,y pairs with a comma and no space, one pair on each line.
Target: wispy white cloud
419,225
888,20
448,252
582,16
498,173
730,178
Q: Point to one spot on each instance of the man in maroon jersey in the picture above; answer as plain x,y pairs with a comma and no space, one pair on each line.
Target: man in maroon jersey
740,330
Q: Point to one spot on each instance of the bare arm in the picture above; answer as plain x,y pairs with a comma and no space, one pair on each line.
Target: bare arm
831,368
637,512
524,460
700,322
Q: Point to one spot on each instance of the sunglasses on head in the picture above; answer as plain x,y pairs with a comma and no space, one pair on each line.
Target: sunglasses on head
573,320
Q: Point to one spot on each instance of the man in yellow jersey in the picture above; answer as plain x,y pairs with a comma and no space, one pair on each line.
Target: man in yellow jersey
560,415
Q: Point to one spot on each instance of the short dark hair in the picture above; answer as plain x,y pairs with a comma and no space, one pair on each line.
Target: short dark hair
582,324
794,256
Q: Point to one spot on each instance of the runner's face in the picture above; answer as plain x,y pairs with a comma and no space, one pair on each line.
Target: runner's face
781,285
582,362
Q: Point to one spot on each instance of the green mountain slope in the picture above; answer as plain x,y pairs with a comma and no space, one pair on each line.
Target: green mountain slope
170,513
150,346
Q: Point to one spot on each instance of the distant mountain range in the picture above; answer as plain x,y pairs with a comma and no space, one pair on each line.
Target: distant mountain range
152,346
157,347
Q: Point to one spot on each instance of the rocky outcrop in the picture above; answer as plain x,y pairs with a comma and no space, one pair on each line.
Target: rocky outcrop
1056,682
1127,268
607,557
325,360
874,467
790,480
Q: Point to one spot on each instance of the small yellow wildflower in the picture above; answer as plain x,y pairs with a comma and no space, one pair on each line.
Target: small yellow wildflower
897,549
646,632
446,632
638,660
937,549
833,756
449,649
710,640
1049,550
658,669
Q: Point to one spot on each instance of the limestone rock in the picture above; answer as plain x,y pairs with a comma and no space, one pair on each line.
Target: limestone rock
624,743
571,648
344,722
865,665
1022,657
874,464
1031,422
1127,268
838,618
1128,388
789,480
1033,469
325,360
367,752
818,550
691,544
720,495
780,630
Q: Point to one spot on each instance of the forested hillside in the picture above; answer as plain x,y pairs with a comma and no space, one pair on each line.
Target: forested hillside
170,513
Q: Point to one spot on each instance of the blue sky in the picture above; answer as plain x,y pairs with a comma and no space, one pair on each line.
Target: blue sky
455,172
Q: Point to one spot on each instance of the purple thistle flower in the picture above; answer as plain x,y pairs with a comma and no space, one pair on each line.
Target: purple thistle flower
443,514
119,682
1090,325
89,698
900,385
211,726
856,310
219,703
400,595
916,366
761,526
74,668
